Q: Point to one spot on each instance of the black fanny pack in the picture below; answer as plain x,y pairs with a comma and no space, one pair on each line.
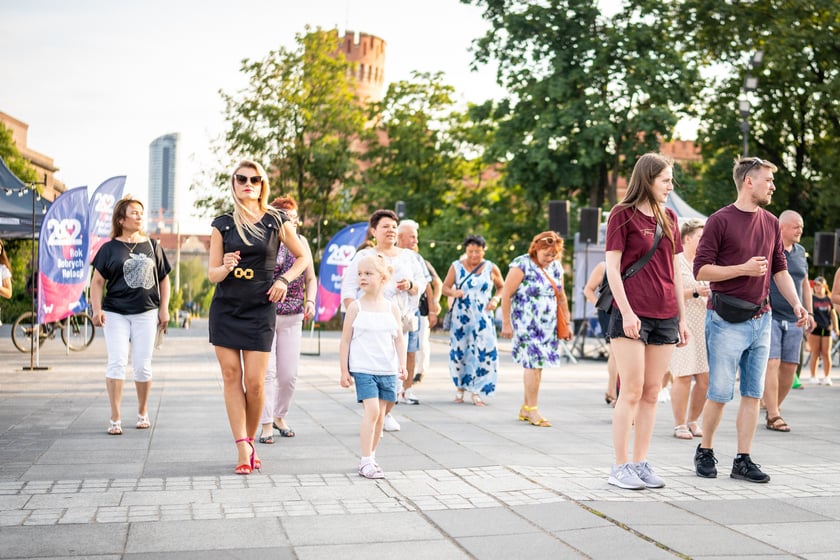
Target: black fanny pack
735,310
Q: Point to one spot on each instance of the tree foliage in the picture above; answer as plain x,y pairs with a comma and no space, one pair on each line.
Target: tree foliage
795,115
587,94
299,118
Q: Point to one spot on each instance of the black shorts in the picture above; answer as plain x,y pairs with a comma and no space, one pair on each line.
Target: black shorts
819,331
604,321
653,331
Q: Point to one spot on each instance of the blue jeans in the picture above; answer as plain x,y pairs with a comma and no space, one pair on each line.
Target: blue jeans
734,346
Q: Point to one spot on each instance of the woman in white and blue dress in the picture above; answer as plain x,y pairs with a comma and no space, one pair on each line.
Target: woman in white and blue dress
533,301
473,355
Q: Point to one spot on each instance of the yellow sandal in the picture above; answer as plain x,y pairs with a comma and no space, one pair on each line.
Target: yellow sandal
541,423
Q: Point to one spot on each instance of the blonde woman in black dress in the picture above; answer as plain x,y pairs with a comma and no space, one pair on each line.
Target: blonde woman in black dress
243,251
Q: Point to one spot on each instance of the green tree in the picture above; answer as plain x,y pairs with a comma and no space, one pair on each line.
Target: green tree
14,161
587,94
298,117
411,154
795,114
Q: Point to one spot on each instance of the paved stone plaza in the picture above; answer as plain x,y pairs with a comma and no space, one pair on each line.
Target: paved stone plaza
461,481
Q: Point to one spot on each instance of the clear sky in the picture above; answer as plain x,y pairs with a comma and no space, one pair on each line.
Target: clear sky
98,80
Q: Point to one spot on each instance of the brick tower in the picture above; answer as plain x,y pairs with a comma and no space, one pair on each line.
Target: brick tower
368,52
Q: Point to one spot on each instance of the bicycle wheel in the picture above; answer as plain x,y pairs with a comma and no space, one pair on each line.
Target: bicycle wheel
22,330
80,332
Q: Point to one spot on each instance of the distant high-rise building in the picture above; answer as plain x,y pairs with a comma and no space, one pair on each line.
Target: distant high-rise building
163,151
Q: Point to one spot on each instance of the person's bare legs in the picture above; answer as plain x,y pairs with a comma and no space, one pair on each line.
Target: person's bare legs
814,346
746,423
612,376
244,406
371,429
656,361
115,390
787,371
143,388
679,398
712,414
825,353
771,388
531,379
697,399
410,362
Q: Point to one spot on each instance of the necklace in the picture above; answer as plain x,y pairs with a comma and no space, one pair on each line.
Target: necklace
130,248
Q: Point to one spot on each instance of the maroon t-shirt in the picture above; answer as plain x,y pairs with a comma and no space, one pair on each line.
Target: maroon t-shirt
650,291
733,237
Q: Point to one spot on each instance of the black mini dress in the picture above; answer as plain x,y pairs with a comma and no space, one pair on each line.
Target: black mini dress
241,316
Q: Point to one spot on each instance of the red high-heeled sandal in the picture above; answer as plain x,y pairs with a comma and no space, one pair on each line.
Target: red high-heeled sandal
246,468
254,459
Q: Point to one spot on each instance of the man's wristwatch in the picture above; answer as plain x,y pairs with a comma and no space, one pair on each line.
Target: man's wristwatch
696,295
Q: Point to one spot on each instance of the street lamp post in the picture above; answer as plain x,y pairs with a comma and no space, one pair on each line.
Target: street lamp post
750,85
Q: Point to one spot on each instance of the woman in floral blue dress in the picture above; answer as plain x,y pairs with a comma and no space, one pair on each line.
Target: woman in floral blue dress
473,356
532,301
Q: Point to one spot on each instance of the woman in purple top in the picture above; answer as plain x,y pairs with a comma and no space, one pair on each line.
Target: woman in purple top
282,371
647,318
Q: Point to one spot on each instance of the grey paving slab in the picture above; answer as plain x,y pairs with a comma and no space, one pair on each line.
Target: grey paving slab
560,516
416,550
280,553
212,534
475,522
533,545
69,541
814,537
371,528
610,543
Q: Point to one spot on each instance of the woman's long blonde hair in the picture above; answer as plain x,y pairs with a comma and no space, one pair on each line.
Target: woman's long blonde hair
245,219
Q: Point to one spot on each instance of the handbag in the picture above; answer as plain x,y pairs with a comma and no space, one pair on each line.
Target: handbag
605,297
563,332
423,305
447,318
161,331
734,310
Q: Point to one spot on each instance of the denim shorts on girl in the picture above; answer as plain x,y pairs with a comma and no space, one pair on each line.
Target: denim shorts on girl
382,387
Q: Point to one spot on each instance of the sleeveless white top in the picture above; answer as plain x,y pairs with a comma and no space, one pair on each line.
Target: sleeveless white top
372,348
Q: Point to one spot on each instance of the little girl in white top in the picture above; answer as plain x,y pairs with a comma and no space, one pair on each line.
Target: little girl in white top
372,354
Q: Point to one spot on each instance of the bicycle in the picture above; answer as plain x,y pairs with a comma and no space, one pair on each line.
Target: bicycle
77,331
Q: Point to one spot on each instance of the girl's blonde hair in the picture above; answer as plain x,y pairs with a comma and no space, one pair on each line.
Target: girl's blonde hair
243,218
820,280
379,265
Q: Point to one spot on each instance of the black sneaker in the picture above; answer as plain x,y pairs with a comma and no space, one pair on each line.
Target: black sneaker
704,462
745,469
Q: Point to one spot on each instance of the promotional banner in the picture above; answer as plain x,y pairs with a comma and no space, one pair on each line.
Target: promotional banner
62,259
100,211
338,254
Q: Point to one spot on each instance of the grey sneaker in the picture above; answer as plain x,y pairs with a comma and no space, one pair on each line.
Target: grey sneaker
704,462
745,469
624,476
646,474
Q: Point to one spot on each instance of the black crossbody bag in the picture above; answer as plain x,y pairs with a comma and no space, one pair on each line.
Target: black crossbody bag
605,297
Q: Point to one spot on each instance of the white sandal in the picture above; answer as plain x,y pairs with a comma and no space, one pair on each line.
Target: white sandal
371,470
115,427
143,422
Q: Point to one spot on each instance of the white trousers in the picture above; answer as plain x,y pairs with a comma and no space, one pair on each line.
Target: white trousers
130,332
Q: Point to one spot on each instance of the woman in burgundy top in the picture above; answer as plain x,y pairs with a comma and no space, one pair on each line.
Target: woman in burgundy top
647,318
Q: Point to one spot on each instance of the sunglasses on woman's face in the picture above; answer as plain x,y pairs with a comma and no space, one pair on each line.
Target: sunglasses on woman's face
243,179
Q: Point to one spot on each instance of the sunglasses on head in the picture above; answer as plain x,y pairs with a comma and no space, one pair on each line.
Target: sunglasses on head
755,161
550,241
243,179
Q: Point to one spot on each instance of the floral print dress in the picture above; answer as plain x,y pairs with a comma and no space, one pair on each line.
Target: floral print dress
473,356
533,315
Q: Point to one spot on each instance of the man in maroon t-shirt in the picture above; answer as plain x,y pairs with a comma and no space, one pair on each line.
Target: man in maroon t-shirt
740,250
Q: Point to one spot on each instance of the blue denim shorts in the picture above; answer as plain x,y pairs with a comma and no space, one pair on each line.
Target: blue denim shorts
785,341
412,341
731,347
382,387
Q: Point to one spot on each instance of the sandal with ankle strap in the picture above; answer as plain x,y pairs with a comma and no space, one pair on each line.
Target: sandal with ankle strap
246,468
459,396
476,400
541,423
522,416
143,422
